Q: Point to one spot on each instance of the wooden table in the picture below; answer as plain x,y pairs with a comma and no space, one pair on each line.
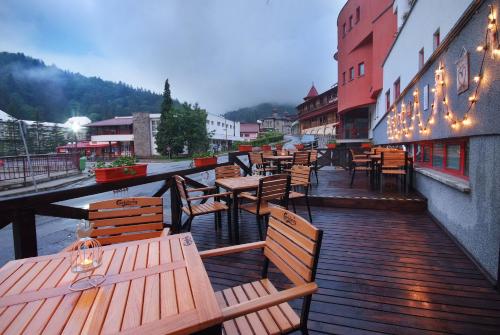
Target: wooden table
155,286
278,160
237,185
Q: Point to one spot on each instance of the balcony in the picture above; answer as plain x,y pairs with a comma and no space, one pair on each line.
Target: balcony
385,265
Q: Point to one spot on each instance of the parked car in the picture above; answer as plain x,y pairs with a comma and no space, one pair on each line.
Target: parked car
309,141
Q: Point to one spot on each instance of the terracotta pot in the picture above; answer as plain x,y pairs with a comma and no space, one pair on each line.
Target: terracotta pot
331,145
366,145
204,161
265,147
299,146
107,175
244,148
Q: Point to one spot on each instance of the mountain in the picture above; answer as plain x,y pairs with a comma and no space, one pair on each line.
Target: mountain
31,90
260,111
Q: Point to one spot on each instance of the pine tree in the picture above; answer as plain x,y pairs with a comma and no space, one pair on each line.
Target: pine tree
164,136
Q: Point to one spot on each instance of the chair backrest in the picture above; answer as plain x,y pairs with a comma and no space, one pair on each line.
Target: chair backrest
313,157
301,158
275,187
293,245
126,219
394,159
227,171
183,193
255,158
268,153
301,175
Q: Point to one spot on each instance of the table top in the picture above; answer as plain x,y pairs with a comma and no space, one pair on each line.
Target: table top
154,286
239,183
278,158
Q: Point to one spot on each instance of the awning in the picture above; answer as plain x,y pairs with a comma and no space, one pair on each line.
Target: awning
324,130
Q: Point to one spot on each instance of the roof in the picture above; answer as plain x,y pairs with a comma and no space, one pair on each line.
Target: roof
4,116
312,93
249,128
86,144
117,121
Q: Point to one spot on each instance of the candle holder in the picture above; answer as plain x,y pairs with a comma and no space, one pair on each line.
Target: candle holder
86,256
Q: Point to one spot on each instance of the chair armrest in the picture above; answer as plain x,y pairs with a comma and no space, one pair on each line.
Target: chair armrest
209,196
202,189
248,196
273,299
233,249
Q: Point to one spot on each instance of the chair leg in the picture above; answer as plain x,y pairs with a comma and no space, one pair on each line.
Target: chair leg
293,205
309,209
259,226
352,176
189,221
316,173
219,219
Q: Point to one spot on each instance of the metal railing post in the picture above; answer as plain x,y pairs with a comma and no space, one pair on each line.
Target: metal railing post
24,234
175,211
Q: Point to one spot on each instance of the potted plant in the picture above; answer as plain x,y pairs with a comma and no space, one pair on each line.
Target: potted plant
245,148
331,144
265,147
204,159
124,167
299,146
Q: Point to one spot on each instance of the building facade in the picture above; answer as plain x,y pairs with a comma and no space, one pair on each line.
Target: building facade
366,31
318,113
118,130
279,123
249,131
447,116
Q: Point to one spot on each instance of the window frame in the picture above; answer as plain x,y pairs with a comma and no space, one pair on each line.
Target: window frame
350,23
462,142
352,73
421,59
362,64
388,100
344,29
358,14
343,78
397,88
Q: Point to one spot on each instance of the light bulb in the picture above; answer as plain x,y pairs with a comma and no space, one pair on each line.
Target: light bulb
477,78
472,98
431,120
480,48
466,121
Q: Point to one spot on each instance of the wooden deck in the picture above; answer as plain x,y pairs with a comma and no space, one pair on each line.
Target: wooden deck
379,273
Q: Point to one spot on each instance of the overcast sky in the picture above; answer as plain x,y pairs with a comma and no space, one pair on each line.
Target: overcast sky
223,54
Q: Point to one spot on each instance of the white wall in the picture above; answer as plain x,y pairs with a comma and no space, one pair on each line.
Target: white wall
425,19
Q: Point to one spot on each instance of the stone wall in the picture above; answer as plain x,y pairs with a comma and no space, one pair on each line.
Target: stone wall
142,135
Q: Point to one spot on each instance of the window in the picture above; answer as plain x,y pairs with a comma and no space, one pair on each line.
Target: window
351,73
212,123
450,156
358,14
388,100
343,78
436,39
361,69
344,30
421,59
397,89
350,23
218,123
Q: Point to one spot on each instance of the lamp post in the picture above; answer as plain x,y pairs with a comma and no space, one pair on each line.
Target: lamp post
75,127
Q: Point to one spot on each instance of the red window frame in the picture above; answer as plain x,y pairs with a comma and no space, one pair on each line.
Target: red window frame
430,144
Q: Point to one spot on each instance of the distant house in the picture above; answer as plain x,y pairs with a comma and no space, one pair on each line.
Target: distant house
249,131
276,122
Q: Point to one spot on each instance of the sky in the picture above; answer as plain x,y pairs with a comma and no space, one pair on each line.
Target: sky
222,54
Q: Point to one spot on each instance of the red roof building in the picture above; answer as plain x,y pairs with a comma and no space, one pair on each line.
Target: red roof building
318,113
312,93
249,131
366,30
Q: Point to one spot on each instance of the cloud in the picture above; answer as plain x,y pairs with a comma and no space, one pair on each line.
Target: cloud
223,54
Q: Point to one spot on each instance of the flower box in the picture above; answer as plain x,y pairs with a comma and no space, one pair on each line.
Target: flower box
245,148
265,147
331,145
366,145
205,161
299,146
107,175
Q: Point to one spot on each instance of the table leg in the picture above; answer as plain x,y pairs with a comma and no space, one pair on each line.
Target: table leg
278,164
236,220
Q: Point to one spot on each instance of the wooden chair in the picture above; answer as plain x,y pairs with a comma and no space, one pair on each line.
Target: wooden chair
301,178
299,158
393,163
203,208
275,187
227,171
359,163
293,246
127,219
313,158
256,160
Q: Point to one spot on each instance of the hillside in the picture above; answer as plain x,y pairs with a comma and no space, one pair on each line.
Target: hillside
31,90
254,113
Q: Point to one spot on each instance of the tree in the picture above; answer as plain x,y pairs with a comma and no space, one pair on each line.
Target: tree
56,138
195,119
165,137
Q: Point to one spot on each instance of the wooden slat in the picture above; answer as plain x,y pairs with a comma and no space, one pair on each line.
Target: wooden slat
126,202
253,319
279,317
229,325
126,229
151,306
296,222
242,323
125,212
128,220
168,300
290,314
284,267
295,249
128,237
288,258
185,301
264,315
292,234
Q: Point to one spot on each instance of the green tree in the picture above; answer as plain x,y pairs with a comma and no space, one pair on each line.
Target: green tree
56,138
195,119
166,136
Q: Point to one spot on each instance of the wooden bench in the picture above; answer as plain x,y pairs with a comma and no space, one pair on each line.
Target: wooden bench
293,246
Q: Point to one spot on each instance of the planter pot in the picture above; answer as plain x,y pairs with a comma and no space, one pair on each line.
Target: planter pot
331,145
107,175
279,146
265,147
366,145
205,161
299,146
244,148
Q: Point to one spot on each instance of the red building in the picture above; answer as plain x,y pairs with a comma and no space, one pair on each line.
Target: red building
366,30
318,113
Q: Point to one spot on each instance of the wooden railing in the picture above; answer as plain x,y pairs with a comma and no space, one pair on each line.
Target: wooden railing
21,211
